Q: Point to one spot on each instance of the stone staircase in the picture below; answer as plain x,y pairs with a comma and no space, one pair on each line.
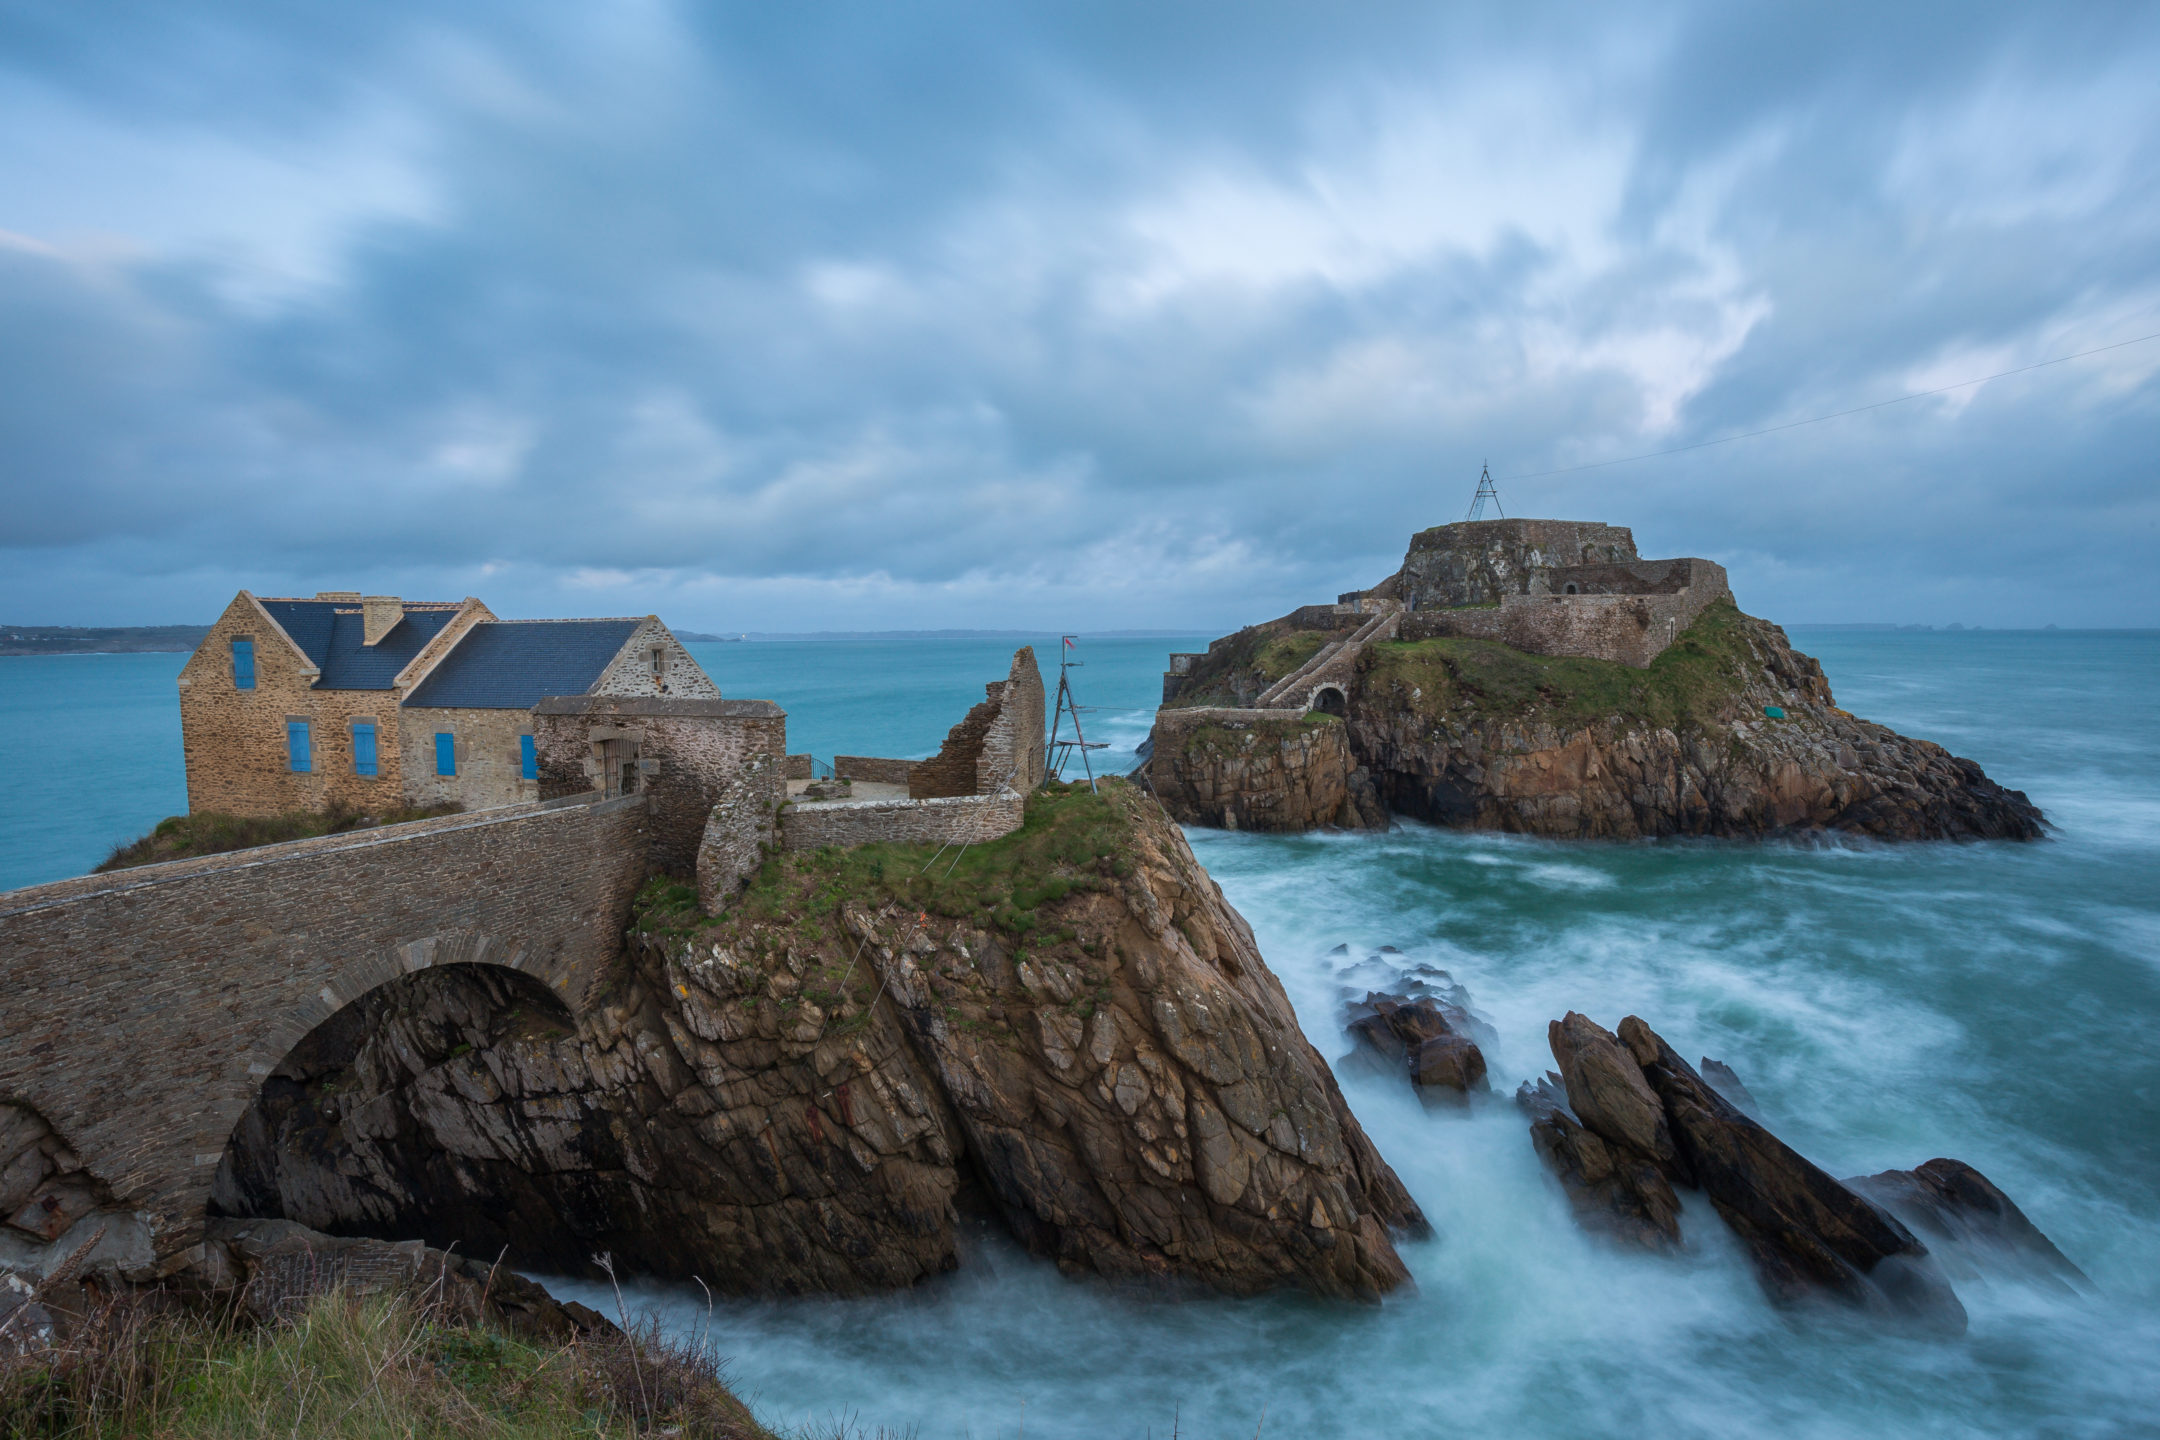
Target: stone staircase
1336,661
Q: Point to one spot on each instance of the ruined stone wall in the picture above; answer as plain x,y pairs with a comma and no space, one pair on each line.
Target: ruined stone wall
867,767
945,820
998,743
490,759
144,1008
740,828
234,740
696,746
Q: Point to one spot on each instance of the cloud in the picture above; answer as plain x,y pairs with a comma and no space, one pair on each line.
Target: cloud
1084,315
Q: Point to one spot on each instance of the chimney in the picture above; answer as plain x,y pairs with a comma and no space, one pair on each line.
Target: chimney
379,616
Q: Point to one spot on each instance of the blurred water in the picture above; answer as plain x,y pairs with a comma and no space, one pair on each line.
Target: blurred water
1885,1005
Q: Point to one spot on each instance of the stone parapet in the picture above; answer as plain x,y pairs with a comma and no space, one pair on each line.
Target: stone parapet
1626,628
944,820
872,768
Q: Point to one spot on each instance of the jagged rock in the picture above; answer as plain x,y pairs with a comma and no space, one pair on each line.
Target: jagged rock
1606,1090
1721,1077
1806,1232
1426,1037
1974,1225
799,1098
1613,1189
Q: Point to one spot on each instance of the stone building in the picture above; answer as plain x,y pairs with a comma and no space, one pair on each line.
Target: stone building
377,703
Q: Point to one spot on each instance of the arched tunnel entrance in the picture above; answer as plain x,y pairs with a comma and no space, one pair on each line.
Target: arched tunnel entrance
1330,700
450,1105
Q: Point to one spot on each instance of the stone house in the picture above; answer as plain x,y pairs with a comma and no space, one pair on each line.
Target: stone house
377,702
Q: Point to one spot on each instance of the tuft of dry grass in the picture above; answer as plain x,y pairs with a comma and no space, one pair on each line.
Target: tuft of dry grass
359,1368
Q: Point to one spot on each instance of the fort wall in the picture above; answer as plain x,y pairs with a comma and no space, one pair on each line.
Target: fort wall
144,1007
1632,629
872,768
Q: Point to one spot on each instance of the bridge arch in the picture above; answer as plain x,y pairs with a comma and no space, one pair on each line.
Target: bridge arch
1328,699
145,1008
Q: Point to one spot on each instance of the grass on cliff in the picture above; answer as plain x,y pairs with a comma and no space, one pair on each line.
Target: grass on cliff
359,1369
211,832
1690,683
1072,841
1258,655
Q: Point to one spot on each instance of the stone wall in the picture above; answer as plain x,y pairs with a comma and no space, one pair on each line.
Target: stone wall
1630,629
143,1008
998,743
866,767
687,751
1482,562
490,759
945,820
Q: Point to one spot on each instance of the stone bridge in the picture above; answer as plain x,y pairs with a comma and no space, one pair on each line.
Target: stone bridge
141,1010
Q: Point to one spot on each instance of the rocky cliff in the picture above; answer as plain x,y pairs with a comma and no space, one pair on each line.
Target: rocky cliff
1729,731
1069,1029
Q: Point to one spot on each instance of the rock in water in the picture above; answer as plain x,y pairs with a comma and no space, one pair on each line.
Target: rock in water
1720,1077
1607,1091
1426,1037
1614,1189
1471,733
1806,1232
1975,1226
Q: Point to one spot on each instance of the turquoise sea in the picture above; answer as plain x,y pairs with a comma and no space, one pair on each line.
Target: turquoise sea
1995,1003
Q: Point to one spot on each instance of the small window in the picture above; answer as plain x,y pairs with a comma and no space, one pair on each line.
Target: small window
445,753
243,664
528,759
299,755
363,748
659,661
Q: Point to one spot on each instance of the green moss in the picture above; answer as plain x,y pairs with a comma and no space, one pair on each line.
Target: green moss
1696,679
211,832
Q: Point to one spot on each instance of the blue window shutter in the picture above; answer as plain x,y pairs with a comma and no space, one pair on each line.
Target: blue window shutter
445,753
296,747
243,664
363,749
528,760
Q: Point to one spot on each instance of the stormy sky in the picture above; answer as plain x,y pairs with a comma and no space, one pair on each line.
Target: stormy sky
1082,315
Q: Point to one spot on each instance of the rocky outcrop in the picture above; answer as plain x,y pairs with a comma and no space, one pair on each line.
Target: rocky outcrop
804,1093
1970,1224
1253,770
1730,731
1650,1111
1427,1038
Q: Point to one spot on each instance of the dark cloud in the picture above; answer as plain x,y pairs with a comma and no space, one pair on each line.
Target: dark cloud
1089,314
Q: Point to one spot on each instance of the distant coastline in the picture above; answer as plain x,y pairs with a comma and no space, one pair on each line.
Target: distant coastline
100,639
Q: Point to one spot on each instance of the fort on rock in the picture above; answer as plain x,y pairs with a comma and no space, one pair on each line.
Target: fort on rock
1539,676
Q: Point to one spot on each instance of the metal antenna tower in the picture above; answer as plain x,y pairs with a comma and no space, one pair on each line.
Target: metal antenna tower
1057,754
1485,491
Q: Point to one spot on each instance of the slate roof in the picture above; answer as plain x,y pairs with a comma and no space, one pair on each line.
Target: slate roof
515,664
334,641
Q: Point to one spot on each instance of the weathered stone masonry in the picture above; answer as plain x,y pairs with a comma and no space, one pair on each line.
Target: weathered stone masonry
143,1008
